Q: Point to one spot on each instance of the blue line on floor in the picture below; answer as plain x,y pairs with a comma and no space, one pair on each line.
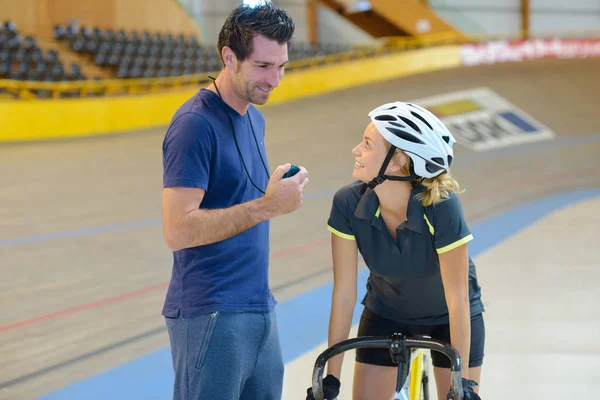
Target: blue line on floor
303,319
470,159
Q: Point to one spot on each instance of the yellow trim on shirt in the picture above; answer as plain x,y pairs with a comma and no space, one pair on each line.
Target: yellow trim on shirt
378,212
340,234
428,224
455,244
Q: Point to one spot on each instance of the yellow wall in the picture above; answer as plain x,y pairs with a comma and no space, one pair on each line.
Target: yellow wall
350,74
51,119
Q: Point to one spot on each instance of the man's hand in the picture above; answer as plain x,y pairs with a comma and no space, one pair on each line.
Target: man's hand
285,195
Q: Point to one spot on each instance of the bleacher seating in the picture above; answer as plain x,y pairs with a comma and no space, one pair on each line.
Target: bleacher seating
22,59
125,54
301,50
136,55
146,55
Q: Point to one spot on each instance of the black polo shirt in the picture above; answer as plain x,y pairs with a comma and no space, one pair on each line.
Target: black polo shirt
405,282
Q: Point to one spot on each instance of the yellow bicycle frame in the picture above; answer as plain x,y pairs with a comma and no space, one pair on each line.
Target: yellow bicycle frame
416,375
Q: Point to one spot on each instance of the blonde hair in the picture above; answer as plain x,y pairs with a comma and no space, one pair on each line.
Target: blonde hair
436,189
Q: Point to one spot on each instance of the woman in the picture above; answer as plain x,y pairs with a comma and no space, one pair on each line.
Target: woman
405,218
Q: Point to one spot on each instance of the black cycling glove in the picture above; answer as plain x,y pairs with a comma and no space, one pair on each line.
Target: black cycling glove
468,393
331,388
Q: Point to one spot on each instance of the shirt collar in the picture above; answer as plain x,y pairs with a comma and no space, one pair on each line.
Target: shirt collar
368,209
368,206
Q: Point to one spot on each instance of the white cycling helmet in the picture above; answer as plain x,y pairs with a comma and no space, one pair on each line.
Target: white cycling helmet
419,133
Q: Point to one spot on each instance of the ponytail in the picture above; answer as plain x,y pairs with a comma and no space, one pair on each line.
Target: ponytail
436,189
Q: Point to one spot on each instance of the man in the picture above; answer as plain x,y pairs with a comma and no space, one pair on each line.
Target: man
217,203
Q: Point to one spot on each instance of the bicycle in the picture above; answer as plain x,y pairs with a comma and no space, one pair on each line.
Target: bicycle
400,348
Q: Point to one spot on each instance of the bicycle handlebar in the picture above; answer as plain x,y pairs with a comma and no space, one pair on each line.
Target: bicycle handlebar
387,342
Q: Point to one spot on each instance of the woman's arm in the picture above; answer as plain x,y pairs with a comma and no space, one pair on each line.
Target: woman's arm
454,265
345,270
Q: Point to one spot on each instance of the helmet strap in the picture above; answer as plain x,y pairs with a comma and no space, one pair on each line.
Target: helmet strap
380,178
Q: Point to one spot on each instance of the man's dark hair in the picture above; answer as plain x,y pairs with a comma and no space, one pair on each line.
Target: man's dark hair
246,22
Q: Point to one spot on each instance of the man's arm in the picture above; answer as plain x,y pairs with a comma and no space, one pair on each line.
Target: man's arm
186,225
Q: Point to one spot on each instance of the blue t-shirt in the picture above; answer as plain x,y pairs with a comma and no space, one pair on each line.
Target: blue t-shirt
199,151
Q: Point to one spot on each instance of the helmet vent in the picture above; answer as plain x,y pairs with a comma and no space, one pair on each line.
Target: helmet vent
432,168
411,124
404,135
399,125
446,139
438,160
385,118
449,160
421,118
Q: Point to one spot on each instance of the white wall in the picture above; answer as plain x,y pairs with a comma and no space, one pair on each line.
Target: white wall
480,16
336,29
561,15
332,28
210,15
504,16
298,10
470,16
